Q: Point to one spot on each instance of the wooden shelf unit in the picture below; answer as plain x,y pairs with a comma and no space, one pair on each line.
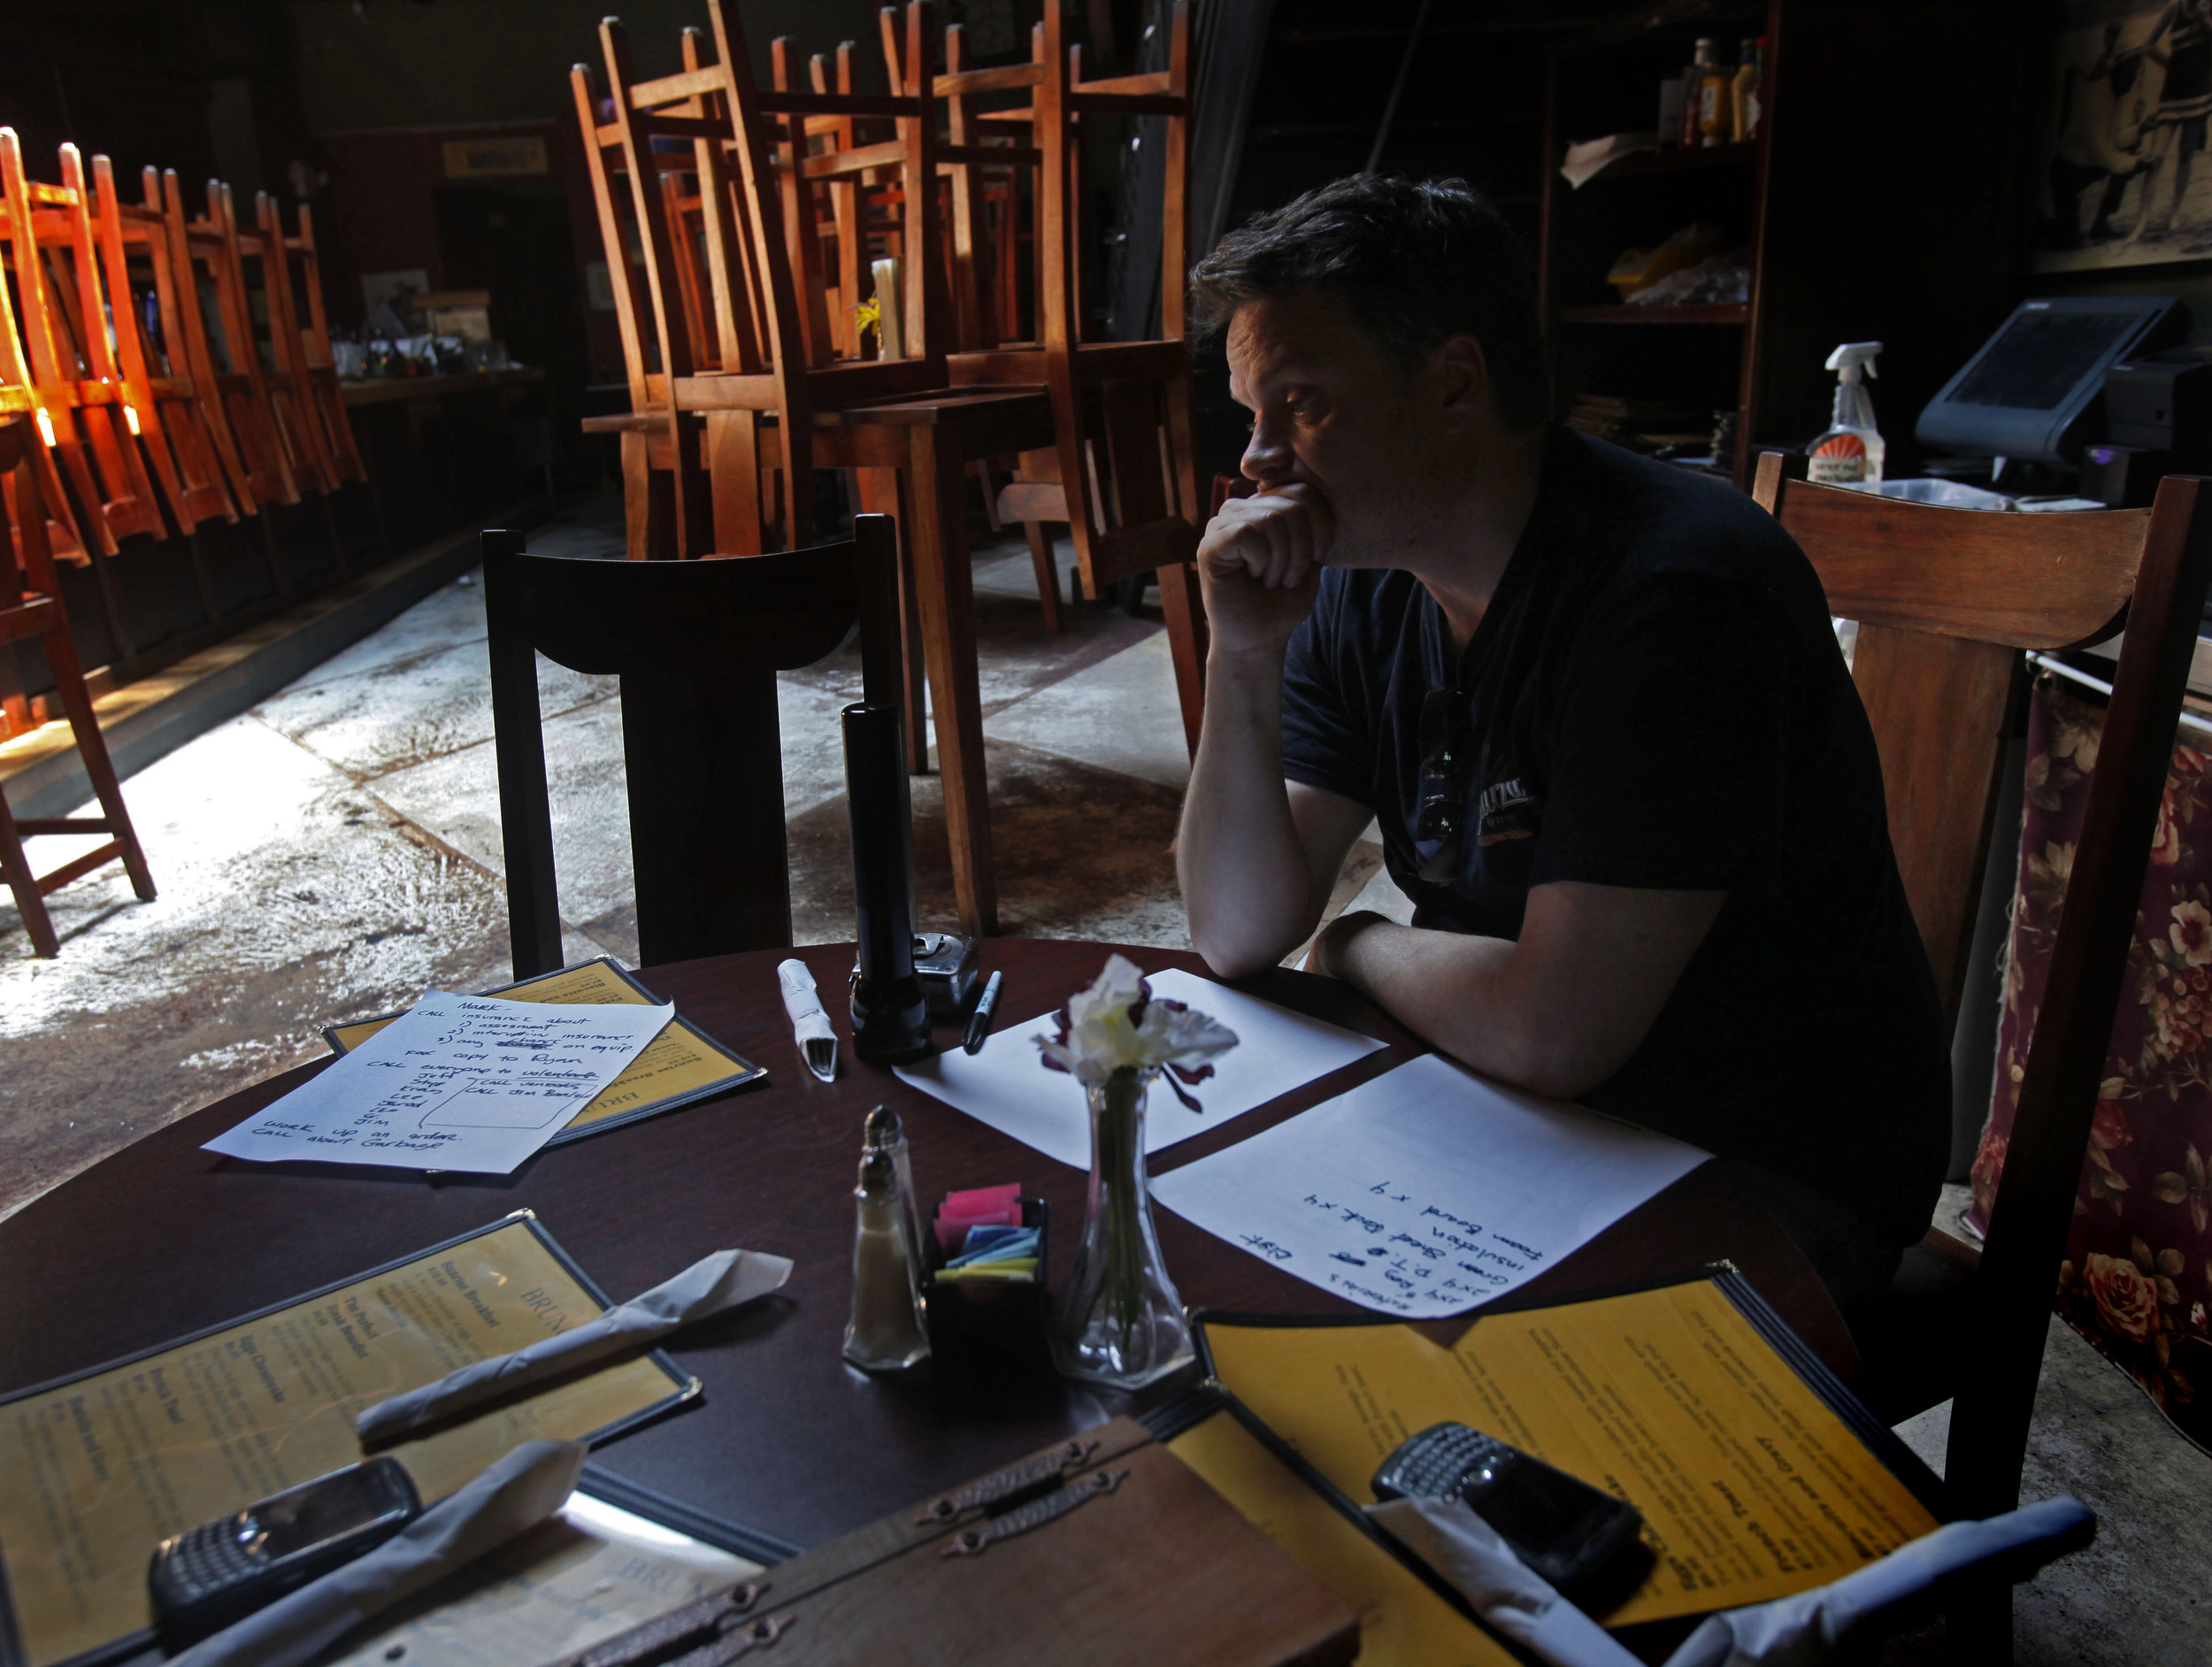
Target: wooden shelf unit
1910,230
1606,79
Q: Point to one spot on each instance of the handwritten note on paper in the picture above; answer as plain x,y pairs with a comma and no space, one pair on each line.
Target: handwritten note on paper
459,1082
1426,1191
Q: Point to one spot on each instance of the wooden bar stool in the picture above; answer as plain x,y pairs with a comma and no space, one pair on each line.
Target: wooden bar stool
30,607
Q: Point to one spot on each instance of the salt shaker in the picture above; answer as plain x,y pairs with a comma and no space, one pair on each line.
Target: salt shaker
886,1134
886,1332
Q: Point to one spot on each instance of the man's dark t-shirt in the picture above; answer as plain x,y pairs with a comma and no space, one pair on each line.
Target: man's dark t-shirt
1655,698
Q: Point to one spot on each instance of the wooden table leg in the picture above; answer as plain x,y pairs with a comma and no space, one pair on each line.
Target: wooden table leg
876,491
938,531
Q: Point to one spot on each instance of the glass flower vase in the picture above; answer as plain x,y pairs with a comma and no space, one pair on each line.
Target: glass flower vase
1119,1321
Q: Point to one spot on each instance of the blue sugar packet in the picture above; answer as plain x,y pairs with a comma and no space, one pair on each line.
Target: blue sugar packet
1007,1250
984,1238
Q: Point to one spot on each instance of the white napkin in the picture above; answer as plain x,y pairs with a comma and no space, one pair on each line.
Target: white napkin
1798,1631
810,1026
1467,1551
707,1287
517,1492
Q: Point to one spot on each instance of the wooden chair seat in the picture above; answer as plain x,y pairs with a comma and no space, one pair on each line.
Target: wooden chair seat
31,608
1947,600
697,646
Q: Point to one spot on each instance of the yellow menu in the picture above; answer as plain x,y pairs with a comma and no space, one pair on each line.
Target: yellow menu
1402,1623
96,1470
682,1064
1751,1484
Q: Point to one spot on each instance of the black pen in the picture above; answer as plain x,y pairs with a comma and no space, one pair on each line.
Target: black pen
979,1021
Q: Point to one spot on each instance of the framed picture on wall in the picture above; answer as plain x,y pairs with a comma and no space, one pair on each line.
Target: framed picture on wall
2125,180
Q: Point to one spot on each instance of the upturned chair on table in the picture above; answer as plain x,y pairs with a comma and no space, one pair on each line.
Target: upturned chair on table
80,392
1946,602
224,365
697,646
1122,471
31,610
289,268
796,407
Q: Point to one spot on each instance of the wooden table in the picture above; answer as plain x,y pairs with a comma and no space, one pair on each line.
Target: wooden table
163,1239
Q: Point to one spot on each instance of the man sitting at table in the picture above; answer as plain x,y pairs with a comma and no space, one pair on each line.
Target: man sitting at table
1594,701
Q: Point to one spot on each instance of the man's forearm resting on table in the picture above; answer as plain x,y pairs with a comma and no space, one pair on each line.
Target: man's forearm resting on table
1247,867
1558,1012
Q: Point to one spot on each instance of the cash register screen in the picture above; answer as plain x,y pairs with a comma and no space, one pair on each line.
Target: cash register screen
2041,357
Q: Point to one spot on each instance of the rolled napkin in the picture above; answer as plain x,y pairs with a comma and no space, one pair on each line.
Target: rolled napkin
720,1281
1473,1557
517,1492
1798,1631
810,1026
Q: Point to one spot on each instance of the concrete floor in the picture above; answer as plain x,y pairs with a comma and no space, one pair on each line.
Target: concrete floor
335,850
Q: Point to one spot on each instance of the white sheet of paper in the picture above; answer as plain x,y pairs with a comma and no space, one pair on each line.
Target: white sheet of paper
1007,1086
457,1083
1426,1191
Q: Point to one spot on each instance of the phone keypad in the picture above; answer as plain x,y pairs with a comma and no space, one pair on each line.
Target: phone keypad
208,1559
1438,1462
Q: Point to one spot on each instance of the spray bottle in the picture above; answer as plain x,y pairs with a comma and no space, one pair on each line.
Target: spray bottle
1852,448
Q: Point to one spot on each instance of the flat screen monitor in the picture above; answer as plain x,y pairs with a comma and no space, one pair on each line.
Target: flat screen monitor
2025,393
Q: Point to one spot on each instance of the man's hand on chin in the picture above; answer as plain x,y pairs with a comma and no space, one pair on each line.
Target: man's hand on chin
1260,561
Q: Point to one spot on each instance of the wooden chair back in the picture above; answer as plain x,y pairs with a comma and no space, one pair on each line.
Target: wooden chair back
697,646
257,261
69,364
1946,601
20,398
224,364
31,610
163,409
300,335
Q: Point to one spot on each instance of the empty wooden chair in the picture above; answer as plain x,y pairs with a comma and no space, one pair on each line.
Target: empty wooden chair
697,646
291,269
172,428
1947,600
31,610
80,391
224,362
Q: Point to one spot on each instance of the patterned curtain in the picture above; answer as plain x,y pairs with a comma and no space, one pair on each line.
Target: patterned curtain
2138,1275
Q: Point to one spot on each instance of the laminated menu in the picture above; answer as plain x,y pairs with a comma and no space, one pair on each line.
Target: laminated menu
1757,1473
98,1469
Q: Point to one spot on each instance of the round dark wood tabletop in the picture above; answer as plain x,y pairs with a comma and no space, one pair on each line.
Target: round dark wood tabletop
162,1240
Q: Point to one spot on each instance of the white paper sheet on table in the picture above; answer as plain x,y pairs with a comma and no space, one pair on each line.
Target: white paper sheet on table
1426,1191
455,1083
1007,1086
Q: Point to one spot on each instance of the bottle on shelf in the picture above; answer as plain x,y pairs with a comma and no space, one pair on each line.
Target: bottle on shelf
1692,86
1852,448
1744,91
1713,119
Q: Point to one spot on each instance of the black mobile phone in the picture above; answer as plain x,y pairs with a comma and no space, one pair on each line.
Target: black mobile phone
210,1576
1568,1532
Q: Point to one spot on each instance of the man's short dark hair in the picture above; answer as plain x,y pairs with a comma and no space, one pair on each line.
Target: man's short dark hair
1418,261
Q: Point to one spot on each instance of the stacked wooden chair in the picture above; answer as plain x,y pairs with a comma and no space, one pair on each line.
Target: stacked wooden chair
31,610
756,211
